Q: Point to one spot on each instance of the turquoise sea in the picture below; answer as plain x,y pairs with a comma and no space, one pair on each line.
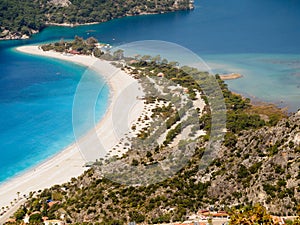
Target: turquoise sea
257,38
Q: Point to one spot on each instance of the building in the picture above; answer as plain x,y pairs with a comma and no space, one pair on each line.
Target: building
74,52
26,219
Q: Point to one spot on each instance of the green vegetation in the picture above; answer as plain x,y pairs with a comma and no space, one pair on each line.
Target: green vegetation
78,46
238,118
272,113
32,16
249,162
104,199
22,18
35,218
172,134
256,214
20,213
251,215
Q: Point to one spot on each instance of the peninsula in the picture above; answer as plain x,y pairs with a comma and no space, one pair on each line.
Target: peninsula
70,162
254,174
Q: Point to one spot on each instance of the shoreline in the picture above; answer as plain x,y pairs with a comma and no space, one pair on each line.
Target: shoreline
14,36
71,24
69,162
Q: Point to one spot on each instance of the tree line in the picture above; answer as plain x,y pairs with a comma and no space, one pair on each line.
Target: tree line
30,16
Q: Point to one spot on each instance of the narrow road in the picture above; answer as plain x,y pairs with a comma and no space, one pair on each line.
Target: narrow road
11,211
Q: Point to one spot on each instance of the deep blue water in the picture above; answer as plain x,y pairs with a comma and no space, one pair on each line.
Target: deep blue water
258,38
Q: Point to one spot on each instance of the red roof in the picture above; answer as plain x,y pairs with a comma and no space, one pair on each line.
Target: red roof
74,52
50,204
220,214
203,211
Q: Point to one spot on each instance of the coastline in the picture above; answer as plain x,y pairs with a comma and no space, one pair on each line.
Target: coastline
70,24
22,36
70,161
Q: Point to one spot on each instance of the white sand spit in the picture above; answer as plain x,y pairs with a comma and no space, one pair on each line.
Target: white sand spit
70,161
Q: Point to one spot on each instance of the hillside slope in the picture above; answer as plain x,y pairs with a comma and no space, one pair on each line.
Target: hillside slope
22,20
237,178
258,162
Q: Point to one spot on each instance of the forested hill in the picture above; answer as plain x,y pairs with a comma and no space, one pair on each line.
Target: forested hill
20,19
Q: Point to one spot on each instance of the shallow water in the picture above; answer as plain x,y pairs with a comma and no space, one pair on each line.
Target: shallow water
36,99
258,38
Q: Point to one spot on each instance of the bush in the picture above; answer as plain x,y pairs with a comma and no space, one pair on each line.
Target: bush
135,162
255,167
35,218
242,172
230,140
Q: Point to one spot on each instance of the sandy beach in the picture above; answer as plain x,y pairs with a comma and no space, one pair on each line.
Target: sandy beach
70,162
231,76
